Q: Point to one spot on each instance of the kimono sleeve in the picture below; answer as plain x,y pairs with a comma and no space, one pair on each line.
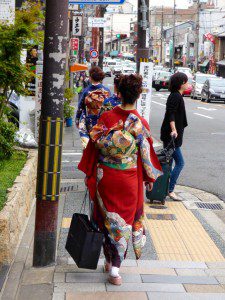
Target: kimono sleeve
81,108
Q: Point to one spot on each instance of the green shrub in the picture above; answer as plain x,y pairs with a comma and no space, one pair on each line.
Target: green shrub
7,136
68,110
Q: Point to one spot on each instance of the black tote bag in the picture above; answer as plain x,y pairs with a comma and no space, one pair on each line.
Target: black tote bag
84,241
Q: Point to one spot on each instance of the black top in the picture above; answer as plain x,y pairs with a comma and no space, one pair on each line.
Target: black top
175,111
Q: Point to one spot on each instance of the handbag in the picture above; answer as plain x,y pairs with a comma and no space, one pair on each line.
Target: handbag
84,240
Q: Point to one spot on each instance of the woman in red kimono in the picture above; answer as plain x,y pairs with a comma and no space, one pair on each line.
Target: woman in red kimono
118,159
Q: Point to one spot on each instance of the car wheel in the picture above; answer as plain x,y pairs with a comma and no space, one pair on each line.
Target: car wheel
208,100
202,99
157,89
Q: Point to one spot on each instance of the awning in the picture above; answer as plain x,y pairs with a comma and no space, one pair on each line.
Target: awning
114,53
204,64
78,68
221,62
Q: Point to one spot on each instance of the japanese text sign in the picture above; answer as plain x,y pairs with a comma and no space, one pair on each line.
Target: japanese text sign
77,26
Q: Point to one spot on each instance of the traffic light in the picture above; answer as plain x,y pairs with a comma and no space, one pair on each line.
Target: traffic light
118,36
121,36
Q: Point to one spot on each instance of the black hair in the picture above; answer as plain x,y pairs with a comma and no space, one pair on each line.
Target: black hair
96,74
130,88
116,81
176,81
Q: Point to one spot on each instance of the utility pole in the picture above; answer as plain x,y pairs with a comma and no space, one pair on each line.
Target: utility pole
174,31
143,23
111,33
101,37
161,44
197,34
50,134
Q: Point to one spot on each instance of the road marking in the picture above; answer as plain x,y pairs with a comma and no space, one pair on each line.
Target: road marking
218,133
69,161
158,103
72,153
209,109
203,116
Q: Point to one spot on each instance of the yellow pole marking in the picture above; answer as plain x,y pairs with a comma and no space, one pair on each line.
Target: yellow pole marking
56,159
46,161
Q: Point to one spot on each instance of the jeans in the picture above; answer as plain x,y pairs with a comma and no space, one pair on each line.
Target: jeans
179,164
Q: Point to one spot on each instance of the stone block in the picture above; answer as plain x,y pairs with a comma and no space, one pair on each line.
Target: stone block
79,287
215,272
58,296
184,296
146,287
59,277
35,292
202,288
179,279
38,276
172,264
107,296
191,272
216,265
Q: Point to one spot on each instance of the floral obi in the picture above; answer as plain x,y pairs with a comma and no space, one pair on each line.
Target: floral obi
94,101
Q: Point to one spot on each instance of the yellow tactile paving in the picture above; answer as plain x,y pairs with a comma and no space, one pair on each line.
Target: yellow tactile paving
183,239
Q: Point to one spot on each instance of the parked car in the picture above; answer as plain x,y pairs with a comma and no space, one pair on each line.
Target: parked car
185,70
198,82
117,70
213,89
161,80
107,71
127,70
188,91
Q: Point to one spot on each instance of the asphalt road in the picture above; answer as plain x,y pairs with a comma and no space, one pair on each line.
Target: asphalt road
204,141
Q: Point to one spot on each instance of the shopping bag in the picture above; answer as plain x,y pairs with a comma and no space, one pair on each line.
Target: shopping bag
84,241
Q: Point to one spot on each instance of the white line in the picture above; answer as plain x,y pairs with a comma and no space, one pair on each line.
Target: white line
209,109
72,153
158,103
218,133
203,116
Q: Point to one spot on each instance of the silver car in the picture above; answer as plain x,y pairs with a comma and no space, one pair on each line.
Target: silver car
198,82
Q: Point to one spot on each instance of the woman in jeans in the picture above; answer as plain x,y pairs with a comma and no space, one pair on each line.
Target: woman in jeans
118,159
174,122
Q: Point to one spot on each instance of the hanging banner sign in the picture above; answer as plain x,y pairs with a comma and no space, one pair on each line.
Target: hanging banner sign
77,25
93,2
73,6
144,102
74,44
96,22
38,98
7,11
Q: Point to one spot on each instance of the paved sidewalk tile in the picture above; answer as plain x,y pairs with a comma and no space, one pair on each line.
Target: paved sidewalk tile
146,287
99,278
58,296
172,264
191,272
184,296
216,265
201,288
59,277
107,296
221,279
143,270
179,279
38,276
35,292
75,269
79,287
215,272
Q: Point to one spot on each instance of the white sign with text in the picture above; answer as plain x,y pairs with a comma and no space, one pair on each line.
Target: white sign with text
77,26
144,102
7,11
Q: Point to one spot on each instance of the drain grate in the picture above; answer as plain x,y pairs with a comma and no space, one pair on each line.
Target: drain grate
158,206
68,188
164,217
211,206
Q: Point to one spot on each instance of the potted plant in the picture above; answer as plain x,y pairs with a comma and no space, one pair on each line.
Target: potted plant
68,113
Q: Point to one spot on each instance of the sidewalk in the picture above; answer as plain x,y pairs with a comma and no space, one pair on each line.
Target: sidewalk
184,257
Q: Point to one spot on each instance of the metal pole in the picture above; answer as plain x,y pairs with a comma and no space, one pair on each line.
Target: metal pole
101,38
174,31
143,23
197,34
161,44
50,134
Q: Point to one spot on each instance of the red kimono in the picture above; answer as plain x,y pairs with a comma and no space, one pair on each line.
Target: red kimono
117,160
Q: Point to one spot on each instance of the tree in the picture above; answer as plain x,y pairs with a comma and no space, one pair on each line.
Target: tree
26,31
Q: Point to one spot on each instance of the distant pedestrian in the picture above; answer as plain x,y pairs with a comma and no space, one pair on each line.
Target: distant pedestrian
90,103
114,100
174,122
118,159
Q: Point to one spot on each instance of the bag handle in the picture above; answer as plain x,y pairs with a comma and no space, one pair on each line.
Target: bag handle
84,203
171,143
83,206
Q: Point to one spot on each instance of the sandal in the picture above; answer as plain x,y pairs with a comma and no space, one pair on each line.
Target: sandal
174,197
115,280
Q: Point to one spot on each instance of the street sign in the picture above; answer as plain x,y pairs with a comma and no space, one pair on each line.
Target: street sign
95,2
74,44
94,54
77,25
7,11
73,6
144,103
96,22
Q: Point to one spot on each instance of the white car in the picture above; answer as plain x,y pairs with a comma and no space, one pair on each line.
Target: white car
198,82
128,70
186,71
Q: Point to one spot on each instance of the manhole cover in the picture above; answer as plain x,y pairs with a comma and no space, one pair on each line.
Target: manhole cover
68,188
158,206
165,217
211,206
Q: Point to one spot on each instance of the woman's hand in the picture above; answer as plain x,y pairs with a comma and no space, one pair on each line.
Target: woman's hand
174,133
149,186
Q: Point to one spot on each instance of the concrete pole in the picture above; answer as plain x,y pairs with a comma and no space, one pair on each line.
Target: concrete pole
50,134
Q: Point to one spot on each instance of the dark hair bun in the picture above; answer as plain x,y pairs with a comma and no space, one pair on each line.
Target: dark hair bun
96,74
130,88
